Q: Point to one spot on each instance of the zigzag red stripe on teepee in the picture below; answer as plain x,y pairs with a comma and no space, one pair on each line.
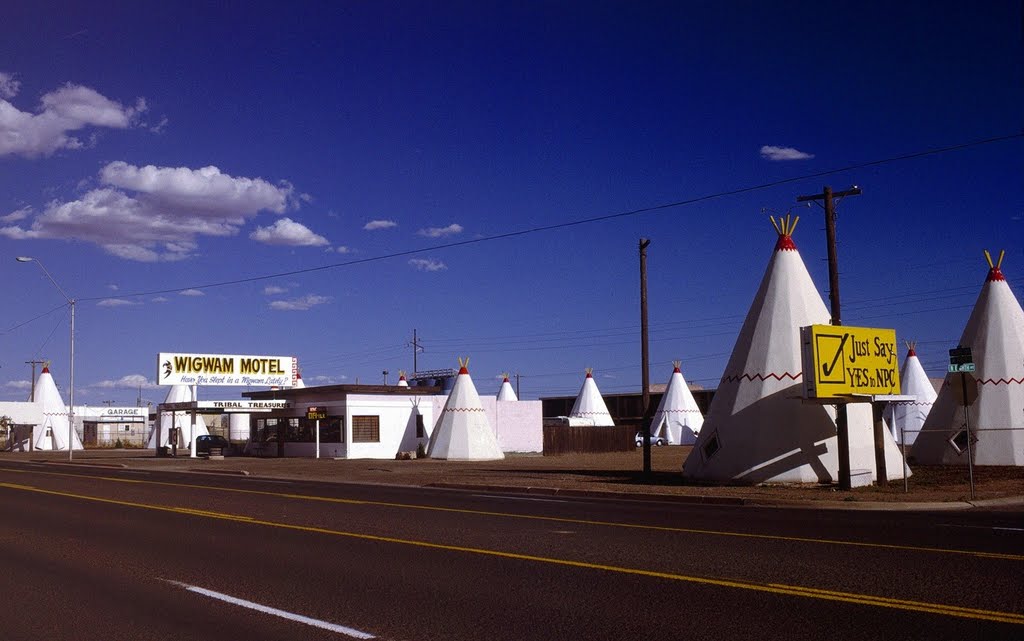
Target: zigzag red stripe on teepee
762,377
1001,381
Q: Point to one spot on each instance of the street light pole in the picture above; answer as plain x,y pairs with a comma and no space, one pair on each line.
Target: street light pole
71,384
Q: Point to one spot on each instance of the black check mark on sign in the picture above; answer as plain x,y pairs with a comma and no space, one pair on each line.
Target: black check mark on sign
828,369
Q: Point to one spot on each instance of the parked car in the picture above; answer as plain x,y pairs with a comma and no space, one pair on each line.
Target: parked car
657,441
207,441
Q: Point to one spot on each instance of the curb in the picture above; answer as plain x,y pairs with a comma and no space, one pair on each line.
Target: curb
78,464
554,491
880,506
219,472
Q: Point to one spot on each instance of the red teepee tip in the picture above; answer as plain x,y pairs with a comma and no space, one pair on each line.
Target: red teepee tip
589,375
785,243
46,370
911,352
995,274
463,370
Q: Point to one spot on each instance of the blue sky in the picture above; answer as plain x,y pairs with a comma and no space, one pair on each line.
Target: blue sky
150,152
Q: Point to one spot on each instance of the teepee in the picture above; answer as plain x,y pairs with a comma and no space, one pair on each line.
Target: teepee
590,404
52,434
758,428
678,419
506,393
995,334
299,383
463,432
180,419
402,382
907,417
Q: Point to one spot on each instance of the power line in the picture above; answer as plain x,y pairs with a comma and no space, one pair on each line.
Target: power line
582,221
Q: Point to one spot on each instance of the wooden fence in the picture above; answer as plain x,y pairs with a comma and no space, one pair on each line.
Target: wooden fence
565,439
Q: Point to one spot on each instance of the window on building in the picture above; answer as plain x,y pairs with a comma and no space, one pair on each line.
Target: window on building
331,430
421,431
366,429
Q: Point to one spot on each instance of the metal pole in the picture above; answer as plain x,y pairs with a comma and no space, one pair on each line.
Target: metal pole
71,410
903,448
317,438
970,440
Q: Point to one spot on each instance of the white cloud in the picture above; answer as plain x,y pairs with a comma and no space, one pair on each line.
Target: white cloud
273,290
300,304
69,108
116,302
168,209
326,380
9,85
206,192
191,292
160,299
131,381
342,249
427,265
16,215
286,231
25,385
771,152
379,224
438,232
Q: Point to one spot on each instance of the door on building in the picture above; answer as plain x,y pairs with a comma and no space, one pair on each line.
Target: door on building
89,434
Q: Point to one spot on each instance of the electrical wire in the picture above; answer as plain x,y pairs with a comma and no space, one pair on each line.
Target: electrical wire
575,223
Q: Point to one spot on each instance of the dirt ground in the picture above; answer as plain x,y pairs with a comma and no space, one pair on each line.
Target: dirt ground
614,472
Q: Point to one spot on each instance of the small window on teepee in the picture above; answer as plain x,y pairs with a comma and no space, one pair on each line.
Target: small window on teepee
711,447
959,441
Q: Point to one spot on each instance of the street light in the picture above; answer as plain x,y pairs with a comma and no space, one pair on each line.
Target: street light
71,302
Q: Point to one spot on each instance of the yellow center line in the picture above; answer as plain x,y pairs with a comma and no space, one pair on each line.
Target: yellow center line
558,519
770,588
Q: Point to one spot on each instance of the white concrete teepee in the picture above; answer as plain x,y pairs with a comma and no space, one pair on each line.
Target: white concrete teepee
181,419
402,382
590,404
299,383
758,428
463,432
678,419
53,433
995,334
506,393
907,417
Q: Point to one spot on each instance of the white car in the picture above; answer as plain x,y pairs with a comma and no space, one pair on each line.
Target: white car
656,441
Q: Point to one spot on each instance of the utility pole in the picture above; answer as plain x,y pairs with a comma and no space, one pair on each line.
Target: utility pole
33,364
645,375
416,349
517,386
842,423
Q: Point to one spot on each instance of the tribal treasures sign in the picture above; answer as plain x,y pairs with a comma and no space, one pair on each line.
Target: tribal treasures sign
221,369
841,361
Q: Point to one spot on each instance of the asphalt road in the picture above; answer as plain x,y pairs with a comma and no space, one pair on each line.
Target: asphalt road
121,554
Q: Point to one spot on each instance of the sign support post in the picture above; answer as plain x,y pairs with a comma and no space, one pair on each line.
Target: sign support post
315,413
961,360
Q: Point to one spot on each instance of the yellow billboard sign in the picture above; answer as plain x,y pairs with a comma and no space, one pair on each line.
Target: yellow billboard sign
842,361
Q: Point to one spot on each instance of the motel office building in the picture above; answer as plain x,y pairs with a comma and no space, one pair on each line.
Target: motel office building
377,421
